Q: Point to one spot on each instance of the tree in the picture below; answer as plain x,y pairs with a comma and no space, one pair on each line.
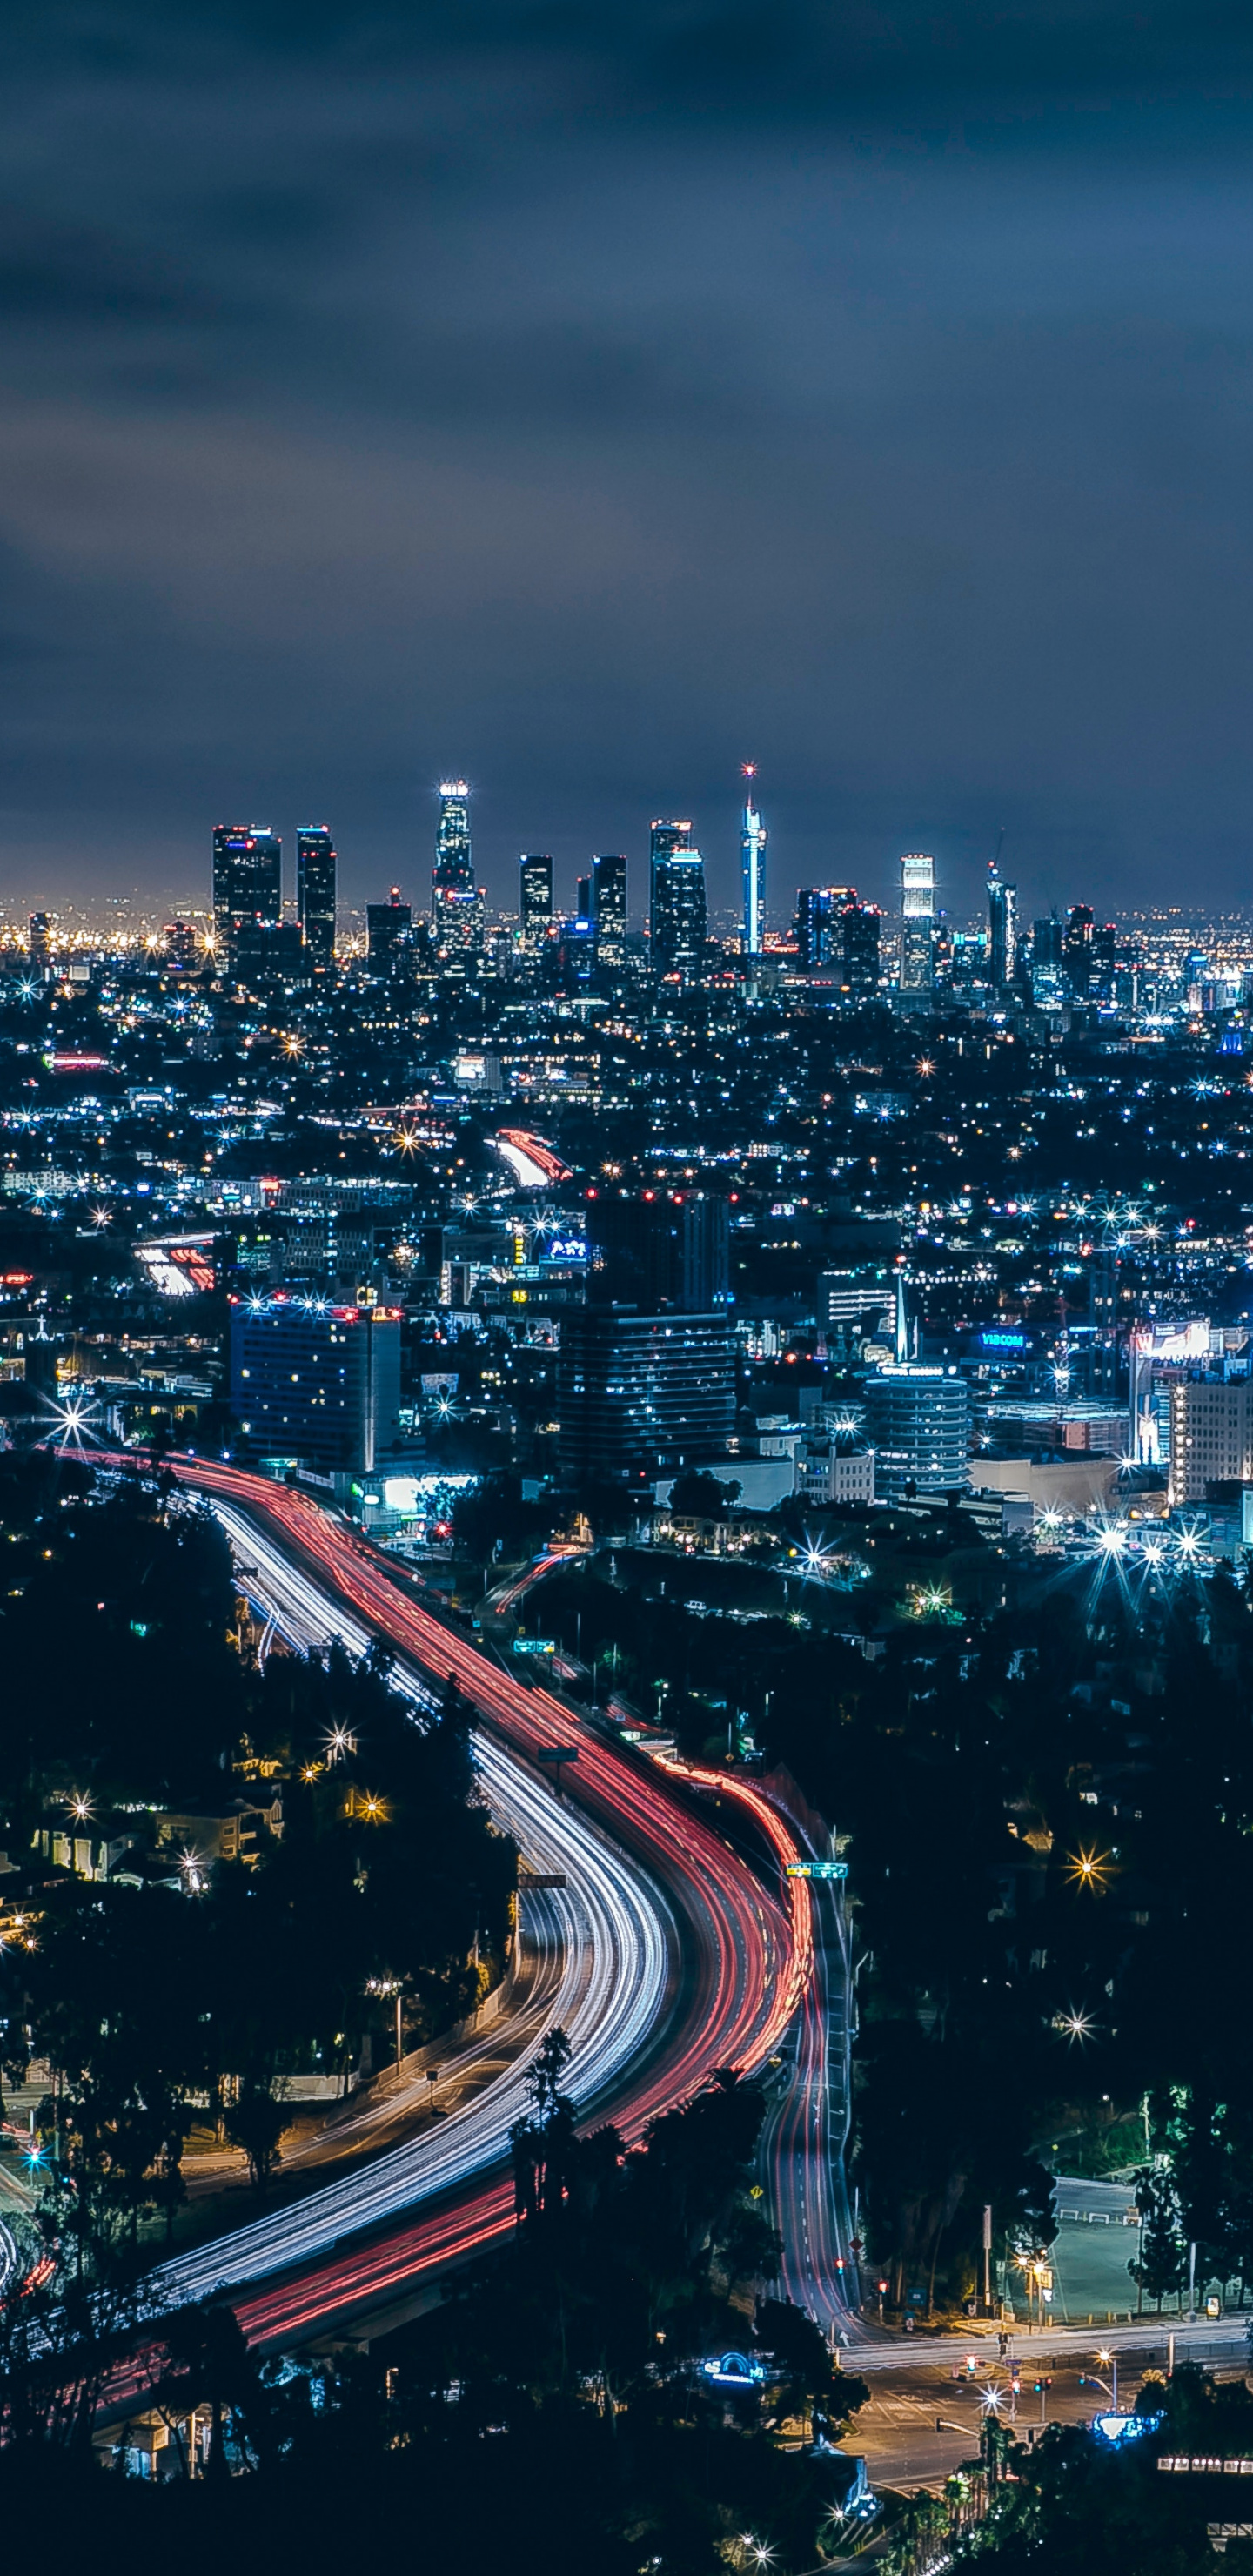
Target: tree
255,2121
1160,2266
696,1496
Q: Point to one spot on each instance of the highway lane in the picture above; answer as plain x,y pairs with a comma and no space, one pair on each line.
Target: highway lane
746,1958
616,1933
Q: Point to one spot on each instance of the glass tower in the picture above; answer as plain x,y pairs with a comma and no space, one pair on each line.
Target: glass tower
247,884
753,852
917,922
609,911
677,915
456,909
535,902
316,866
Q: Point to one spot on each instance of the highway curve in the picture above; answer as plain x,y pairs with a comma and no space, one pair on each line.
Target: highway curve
746,1958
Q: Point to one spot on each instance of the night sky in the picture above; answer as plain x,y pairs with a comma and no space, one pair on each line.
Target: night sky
591,399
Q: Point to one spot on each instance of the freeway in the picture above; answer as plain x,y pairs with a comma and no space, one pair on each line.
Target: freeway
653,1863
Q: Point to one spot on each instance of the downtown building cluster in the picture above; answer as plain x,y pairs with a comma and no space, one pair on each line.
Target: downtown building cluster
856,1209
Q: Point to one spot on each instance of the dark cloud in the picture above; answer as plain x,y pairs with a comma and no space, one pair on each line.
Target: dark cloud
592,399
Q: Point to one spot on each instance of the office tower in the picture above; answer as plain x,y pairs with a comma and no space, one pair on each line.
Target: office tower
818,910
180,947
609,911
574,954
316,866
917,922
247,884
1077,951
321,1388
753,854
389,936
39,937
677,918
1047,991
1104,961
457,909
918,1424
583,898
660,1251
640,1393
1103,1303
1002,929
859,927
535,900
1211,1437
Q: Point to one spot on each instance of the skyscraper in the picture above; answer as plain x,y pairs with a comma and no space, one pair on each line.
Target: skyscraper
677,916
535,900
818,910
753,853
859,927
247,883
917,922
456,909
389,936
1002,928
315,894
1077,950
39,934
1046,964
609,911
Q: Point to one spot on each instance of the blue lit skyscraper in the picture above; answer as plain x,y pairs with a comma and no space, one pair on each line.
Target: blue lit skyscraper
753,848
677,918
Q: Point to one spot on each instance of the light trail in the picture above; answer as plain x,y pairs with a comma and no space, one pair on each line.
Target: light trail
617,1933
745,1959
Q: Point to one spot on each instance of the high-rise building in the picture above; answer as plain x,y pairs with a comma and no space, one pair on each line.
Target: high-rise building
39,939
660,1251
1046,964
918,1424
1002,929
535,899
247,883
753,855
917,922
389,936
321,1385
1077,950
457,910
639,1393
316,867
1104,961
818,911
677,916
609,911
1211,1437
859,927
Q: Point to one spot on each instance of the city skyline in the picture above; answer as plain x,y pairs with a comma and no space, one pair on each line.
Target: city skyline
934,362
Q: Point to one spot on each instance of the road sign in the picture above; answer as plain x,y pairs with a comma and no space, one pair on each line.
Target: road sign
558,1753
817,1869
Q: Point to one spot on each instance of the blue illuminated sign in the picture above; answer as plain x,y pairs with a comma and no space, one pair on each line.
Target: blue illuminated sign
1121,2429
1005,1341
817,1869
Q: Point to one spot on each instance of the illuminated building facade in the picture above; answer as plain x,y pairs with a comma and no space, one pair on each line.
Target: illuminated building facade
678,921
457,907
316,870
247,885
535,900
314,1382
753,857
1002,929
918,1424
917,922
609,911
